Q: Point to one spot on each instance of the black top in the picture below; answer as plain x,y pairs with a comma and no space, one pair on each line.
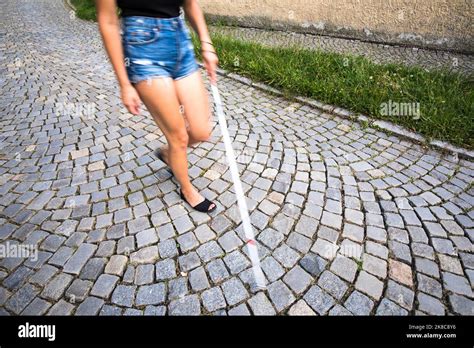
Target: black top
150,8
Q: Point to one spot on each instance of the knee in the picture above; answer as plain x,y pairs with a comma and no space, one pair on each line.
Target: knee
201,135
179,139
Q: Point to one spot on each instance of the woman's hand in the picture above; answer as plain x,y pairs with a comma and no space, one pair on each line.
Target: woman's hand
196,19
131,100
210,60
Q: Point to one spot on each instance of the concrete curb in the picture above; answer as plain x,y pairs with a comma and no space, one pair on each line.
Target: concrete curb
70,5
386,126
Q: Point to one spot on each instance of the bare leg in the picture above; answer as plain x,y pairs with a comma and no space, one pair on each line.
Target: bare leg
192,95
161,100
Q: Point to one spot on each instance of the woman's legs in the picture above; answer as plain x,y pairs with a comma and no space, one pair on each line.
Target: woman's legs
160,96
192,95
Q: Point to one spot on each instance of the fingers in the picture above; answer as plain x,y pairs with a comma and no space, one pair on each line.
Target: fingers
135,104
133,107
213,76
211,62
131,100
211,68
138,104
214,71
135,110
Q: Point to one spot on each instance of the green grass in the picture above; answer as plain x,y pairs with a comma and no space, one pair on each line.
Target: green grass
446,99
85,9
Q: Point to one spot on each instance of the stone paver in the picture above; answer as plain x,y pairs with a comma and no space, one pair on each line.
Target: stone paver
348,220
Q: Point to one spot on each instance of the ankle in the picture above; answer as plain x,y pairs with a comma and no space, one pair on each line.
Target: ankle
187,189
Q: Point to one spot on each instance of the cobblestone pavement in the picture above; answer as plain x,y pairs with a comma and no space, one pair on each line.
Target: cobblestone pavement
349,220
378,53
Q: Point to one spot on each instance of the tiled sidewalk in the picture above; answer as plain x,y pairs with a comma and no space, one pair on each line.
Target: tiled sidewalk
349,220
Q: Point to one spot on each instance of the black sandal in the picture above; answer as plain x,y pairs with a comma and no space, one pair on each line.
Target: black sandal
202,207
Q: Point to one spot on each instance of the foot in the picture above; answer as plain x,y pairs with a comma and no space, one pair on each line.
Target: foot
196,201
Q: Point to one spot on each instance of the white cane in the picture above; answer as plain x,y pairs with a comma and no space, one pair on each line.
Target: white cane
242,204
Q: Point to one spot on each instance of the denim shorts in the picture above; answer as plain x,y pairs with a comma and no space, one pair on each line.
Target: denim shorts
157,47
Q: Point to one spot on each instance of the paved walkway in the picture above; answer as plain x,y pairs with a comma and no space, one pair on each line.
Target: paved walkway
378,53
349,220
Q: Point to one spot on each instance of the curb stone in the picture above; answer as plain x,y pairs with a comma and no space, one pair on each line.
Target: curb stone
386,126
